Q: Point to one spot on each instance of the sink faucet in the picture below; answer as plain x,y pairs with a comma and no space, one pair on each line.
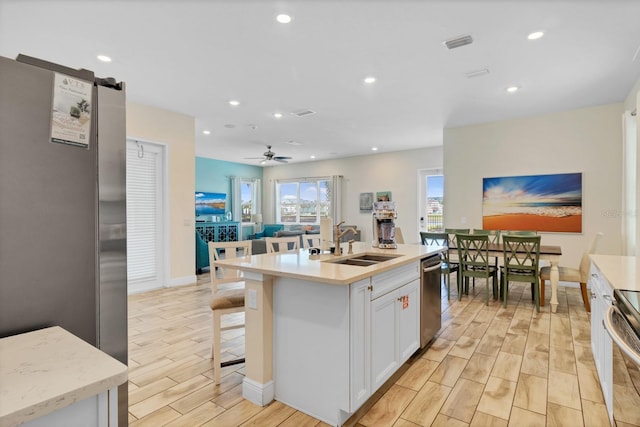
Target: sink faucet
337,235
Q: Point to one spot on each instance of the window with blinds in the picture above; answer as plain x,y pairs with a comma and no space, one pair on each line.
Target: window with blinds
144,213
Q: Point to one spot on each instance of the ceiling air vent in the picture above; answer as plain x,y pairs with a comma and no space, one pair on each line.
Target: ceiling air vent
302,113
458,42
477,73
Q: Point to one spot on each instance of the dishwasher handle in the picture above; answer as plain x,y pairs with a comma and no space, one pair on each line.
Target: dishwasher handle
432,268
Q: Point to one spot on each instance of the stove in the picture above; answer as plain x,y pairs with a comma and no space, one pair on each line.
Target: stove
622,322
628,302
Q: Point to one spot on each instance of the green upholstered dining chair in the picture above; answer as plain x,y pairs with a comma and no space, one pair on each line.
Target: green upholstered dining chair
521,233
473,255
442,239
494,235
521,264
494,239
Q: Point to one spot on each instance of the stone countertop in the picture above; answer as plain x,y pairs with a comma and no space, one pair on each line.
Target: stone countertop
299,264
622,272
49,369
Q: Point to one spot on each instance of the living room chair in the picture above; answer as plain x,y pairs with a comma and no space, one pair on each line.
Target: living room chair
473,255
521,264
227,289
282,244
577,275
442,239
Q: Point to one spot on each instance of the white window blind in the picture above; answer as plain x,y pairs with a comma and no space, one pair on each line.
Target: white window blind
143,193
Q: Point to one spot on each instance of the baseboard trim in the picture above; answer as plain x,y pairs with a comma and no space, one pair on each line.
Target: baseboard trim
260,394
182,281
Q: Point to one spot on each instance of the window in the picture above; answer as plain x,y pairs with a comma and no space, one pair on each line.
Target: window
246,198
303,201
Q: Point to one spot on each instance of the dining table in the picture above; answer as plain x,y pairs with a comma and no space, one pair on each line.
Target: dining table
551,253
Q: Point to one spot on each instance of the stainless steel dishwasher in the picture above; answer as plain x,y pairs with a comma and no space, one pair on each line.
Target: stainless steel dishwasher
430,298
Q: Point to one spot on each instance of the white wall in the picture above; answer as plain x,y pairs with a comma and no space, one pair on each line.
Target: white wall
396,172
177,131
586,140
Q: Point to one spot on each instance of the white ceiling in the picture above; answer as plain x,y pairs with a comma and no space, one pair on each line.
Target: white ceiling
193,56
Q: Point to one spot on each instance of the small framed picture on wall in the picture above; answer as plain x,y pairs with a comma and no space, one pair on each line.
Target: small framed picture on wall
366,202
383,196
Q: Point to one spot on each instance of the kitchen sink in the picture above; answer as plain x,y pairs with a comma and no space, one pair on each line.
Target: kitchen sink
363,260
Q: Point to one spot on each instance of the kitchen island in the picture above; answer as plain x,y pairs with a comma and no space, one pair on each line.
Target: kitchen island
322,336
51,378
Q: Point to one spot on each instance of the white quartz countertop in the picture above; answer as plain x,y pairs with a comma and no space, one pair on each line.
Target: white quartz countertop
622,272
49,369
299,264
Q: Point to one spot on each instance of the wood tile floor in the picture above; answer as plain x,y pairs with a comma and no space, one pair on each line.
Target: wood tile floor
489,366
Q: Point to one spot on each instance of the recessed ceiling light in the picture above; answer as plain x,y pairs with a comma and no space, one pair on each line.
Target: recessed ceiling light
369,80
283,18
234,103
206,132
535,35
277,115
374,148
512,89
104,58
312,156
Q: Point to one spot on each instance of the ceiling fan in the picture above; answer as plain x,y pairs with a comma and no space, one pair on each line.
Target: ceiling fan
270,155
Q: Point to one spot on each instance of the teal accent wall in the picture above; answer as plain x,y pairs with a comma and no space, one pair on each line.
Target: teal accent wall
214,176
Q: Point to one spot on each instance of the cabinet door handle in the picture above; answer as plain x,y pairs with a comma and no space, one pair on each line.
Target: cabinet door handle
593,295
607,297
594,275
370,288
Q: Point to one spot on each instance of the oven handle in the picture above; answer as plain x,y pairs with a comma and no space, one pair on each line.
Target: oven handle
615,335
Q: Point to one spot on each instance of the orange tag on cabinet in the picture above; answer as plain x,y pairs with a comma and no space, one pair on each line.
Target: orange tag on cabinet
405,302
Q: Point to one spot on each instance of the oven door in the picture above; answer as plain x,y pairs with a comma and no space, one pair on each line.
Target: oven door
622,334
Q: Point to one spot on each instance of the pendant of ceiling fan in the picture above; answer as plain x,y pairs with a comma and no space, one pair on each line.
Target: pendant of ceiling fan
270,155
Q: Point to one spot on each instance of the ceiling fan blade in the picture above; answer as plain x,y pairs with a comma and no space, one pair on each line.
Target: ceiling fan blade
282,158
254,158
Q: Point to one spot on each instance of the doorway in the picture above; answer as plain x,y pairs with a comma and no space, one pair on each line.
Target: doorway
146,195
430,200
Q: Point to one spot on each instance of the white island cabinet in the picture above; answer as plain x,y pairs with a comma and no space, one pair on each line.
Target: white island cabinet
51,378
336,345
608,272
322,336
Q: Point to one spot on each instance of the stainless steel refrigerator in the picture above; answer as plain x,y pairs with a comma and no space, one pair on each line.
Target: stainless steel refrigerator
63,206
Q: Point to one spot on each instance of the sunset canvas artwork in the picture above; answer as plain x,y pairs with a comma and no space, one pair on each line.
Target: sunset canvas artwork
535,202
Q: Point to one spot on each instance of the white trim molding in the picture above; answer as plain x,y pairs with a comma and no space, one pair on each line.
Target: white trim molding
260,394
